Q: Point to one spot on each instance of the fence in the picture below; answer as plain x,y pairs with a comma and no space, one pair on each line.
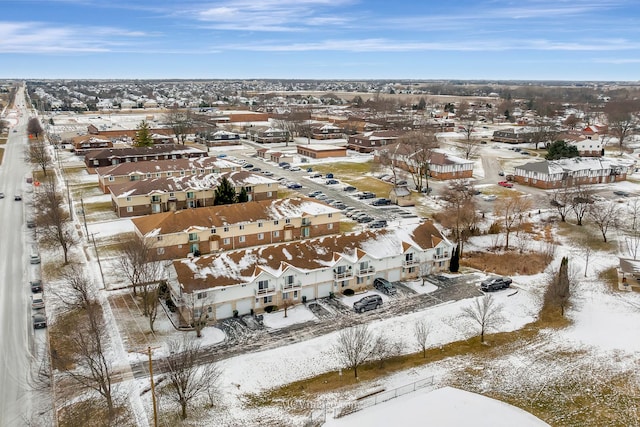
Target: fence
381,397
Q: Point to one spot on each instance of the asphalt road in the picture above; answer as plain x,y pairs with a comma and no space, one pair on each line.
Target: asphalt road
16,336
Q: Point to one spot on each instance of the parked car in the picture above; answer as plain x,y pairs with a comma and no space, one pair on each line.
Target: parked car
267,173
37,301
322,197
248,166
501,173
366,195
381,202
329,175
36,285
426,190
1,195
370,302
256,169
39,321
294,185
379,223
489,197
349,188
314,193
364,219
295,169
309,169
384,286
401,182
495,284
316,175
281,164
331,182
505,184
221,156
287,166
17,197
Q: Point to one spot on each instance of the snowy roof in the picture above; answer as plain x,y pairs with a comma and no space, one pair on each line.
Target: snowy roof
152,166
574,164
241,266
445,407
217,216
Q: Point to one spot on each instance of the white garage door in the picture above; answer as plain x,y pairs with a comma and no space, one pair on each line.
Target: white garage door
308,292
224,311
394,275
244,306
323,290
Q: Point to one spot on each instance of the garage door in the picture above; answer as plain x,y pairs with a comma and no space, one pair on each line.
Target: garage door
308,292
224,311
244,306
394,275
323,290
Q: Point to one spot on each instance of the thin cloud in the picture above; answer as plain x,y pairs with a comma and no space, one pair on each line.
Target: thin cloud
38,37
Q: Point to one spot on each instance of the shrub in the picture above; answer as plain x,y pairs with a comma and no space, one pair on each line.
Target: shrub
270,308
348,292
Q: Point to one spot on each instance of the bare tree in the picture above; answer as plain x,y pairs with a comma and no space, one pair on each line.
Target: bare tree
558,291
622,120
181,122
54,223
139,263
542,133
633,208
34,127
561,200
460,211
470,147
186,380
419,145
604,216
37,153
421,331
152,303
632,241
484,312
79,288
286,303
199,318
580,203
354,347
511,209
90,344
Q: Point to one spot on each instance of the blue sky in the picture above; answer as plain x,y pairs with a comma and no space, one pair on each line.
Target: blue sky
321,39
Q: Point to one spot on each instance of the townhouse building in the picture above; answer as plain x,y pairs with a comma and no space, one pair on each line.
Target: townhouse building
368,141
265,135
571,172
115,156
442,165
195,232
244,281
166,194
326,131
123,173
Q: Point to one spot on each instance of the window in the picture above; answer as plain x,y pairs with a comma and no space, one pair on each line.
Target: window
213,231
202,295
276,234
148,175
305,232
190,194
169,173
408,257
158,174
295,294
330,226
155,198
96,163
193,237
129,208
260,225
172,194
260,236
287,221
159,238
226,229
276,222
241,226
160,251
226,241
267,300
128,198
285,295
241,239
288,280
263,284
269,193
112,178
360,280
344,283
181,173
330,215
201,170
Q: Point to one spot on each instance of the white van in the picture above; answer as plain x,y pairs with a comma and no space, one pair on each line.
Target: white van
34,258
37,301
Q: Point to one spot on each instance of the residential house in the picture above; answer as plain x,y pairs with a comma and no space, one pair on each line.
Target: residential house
443,166
219,137
165,194
321,151
326,131
249,280
212,229
115,156
368,141
265,135
123,173
84,143
587,147
571,172
512,136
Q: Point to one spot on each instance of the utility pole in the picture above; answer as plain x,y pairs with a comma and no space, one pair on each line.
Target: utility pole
153,389
95,248
84,217
66,183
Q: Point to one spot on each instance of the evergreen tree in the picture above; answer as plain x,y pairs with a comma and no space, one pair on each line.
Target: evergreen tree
143,135
561,150
225,194
243,196
454,265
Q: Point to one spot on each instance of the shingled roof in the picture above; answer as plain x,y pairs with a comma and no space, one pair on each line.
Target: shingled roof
241,266
218,216
169,165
